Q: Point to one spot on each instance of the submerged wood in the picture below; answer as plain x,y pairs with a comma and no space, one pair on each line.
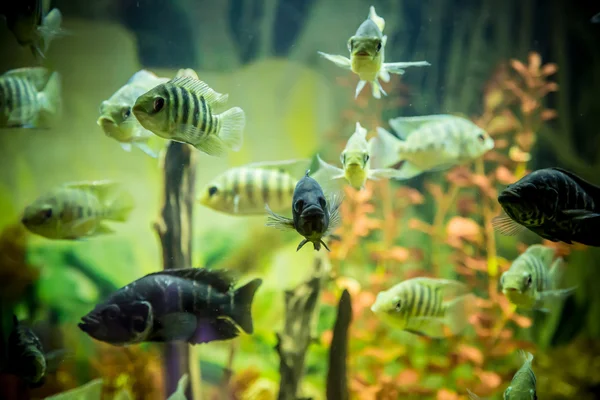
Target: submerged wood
293,341
337,372
174,228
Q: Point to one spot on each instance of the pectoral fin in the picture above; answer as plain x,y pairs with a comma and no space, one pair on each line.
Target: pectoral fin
278,221
338,60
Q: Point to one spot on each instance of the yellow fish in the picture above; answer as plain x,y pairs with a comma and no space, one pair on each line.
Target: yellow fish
429,143
367,59
118,122
421,306
356,162
78,209
245,190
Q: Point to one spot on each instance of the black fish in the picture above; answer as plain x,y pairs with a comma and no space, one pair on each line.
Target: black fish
313,216
554,203
195,305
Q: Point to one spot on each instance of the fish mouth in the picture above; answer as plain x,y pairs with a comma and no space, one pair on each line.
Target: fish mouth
362,53
88,324
312,211
511,290
509,196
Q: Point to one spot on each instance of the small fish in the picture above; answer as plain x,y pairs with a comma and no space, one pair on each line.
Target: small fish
314,217
76,210
194,305
422,306
247,189
182,110
355,161
555,204
529,281
32,24
118,122
182,385
367,48
26,94
429,143
523,384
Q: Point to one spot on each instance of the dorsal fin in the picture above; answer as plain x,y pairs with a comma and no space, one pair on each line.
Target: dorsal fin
200,88
379,21
545,254
142,75
37,75
404,126
590,188
219,279
294,167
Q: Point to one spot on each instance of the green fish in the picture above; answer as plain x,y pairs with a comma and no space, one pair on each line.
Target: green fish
183,110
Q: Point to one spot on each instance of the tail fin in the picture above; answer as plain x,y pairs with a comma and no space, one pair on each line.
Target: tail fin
384,149
242,305
51,95
473,396
526,356
232,128
458,311
49,29
117,202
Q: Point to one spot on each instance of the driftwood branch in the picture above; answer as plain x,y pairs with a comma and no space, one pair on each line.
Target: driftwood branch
293,341
337,378
174,229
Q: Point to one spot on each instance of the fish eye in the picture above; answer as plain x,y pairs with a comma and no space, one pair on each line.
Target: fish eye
343,158
126,113
528,280
378,46
481,137
212,190
159,103
366,158
398,305
299,205
46,213
322,202
350,44
111,312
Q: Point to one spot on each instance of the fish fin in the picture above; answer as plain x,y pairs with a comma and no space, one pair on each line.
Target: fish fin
220,280
328,177
209,144
187,72
233,122
182,385
377,89
278,221
581,215
379,21
209,330
51,95
200,88
404,126
596,19
444,284
407,170
506,225
142,75
294,166
175,326
526,356
50,29
543,253
458,311
103,229
242,300
359,87
556,294
384,173
324,245
146,149
302,243
473,396
333,208
37,75
338,60
588,187
384,149
126,146
556,271
432,327
384,75
329,171
398,67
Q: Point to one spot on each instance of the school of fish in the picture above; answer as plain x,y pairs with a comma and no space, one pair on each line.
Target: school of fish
200,305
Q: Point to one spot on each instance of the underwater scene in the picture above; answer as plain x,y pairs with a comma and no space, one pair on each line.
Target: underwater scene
299,199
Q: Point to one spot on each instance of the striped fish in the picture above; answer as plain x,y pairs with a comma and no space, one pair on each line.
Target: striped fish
523,384
532,278
195,305
26,357
247,189
183,110
25,94
425,306
76,210
429,143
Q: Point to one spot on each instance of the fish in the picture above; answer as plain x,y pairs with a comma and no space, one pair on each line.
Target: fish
118,122
355,160
554,203
367,59
313,216
182,110
523,384
429,143
25,356
33,23
245,190
532,278
78,209
179,393
26,94
425,306
195,305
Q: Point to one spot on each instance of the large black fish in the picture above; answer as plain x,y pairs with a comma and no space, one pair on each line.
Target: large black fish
195,305
312,215
554,203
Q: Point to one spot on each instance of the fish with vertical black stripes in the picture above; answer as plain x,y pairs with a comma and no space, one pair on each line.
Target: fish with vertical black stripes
78,209
26,94
183,110
523,384
313,215
245,190
194,305
425,306
531,281
555,204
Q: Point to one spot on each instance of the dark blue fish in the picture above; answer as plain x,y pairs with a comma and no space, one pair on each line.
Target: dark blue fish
195,305
554,203
312,215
